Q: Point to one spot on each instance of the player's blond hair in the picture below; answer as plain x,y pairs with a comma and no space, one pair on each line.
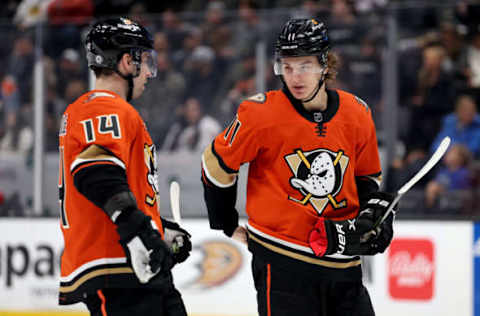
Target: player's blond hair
333,63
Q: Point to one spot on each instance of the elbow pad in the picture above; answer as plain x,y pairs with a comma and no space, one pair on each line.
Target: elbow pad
99,183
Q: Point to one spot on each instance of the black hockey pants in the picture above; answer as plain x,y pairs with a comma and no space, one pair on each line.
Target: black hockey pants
286,293
135,301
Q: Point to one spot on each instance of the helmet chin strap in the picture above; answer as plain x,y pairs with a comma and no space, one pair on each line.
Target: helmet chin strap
320,84
129,79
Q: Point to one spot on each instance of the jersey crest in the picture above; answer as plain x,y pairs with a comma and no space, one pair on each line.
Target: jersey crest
318,176
152,174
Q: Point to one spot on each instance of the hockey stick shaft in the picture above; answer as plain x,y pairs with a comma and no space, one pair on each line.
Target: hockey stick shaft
436,157
175,201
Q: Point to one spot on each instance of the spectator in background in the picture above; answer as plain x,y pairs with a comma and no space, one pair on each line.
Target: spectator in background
228,106
73,90
20,67
69,67
454,175
193,131
433,97
365,70
174,28
454,44
161,42
19,135
248,30
404,167
53,106
10,103
463,126
139,12
472,62
344,27
217,32
192,40
203,77
467,13
17,91
158,104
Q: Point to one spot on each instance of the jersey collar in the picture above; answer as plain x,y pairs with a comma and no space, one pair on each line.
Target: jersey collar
316,116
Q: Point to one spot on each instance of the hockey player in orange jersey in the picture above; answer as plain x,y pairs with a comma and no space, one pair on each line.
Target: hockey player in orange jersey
118,250
313,181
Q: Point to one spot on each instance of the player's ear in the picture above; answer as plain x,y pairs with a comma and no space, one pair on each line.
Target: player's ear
125,62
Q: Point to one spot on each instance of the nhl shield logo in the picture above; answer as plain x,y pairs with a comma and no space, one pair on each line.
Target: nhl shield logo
318,175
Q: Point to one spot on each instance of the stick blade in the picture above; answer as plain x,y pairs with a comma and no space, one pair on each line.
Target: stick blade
437,155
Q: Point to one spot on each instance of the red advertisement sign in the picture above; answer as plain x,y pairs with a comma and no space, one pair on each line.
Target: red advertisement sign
411,269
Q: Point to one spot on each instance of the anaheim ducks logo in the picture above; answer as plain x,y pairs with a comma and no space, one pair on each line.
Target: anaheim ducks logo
150,156
318,175
221,261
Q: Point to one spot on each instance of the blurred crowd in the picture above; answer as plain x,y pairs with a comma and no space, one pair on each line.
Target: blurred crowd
207,64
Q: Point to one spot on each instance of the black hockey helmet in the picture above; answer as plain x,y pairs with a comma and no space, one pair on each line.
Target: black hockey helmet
303,37
108,39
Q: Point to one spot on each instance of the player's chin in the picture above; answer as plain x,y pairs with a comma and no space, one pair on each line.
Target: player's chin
298,94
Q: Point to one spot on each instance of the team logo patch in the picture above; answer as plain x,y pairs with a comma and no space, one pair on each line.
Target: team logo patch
220,262
318,176
150,156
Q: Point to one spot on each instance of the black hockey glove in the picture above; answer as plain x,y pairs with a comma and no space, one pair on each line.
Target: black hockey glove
376,206
178,239
145,249
348,237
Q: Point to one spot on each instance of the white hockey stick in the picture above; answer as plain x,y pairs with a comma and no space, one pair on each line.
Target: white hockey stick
436,157
175,202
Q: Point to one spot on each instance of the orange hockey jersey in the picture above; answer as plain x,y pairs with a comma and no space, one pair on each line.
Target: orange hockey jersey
302,165
93,257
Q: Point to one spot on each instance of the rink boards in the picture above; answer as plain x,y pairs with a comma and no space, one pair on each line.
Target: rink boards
431,268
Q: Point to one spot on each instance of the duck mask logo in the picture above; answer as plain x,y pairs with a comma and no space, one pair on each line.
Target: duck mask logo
318,175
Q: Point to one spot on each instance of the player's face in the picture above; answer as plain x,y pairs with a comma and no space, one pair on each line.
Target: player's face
148,70
301,75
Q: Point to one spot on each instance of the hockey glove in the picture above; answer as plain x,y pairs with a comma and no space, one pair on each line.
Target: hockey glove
146,251
348,237
178,239
376,206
